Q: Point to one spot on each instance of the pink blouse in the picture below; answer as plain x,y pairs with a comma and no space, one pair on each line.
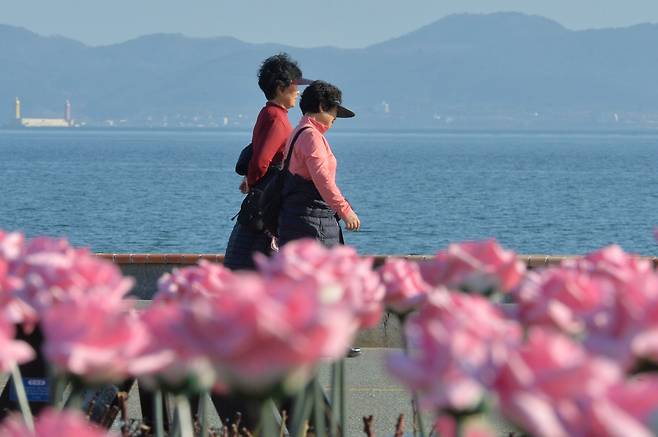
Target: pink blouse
313,160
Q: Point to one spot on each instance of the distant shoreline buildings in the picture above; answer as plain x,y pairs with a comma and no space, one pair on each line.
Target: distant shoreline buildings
21,121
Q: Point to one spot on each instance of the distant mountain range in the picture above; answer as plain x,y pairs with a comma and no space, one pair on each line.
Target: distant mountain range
503,70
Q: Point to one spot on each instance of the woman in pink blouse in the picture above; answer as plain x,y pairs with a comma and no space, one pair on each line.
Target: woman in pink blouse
312,203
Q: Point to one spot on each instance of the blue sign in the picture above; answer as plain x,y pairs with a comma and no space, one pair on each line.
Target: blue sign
36,389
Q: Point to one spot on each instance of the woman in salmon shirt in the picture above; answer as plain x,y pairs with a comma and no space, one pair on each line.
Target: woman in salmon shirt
311,200
278,78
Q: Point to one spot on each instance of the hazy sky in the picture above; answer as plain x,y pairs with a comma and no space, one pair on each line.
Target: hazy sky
302,23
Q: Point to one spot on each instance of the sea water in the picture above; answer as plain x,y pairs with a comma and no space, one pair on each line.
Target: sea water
129,191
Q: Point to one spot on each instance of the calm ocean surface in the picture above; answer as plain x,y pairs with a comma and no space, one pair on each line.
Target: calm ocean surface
175,191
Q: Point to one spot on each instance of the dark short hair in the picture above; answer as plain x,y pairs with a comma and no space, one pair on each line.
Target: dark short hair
320,95
277,71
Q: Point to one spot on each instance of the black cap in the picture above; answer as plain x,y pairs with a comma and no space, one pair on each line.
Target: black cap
343,112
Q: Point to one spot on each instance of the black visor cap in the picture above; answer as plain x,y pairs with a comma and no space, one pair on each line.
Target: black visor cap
343,112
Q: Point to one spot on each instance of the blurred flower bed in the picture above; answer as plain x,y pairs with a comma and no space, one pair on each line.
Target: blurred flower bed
568,350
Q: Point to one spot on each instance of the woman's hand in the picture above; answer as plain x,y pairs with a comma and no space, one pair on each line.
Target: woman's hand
352,222
244,186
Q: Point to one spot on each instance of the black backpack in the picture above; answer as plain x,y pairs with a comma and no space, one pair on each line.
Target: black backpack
260,208
242,166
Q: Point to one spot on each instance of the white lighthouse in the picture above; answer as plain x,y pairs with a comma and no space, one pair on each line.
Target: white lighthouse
67,112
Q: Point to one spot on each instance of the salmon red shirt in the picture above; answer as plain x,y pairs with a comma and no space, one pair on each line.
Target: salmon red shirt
271,132
313,159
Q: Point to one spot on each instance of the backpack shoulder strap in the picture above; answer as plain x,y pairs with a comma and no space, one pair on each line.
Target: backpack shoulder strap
292,144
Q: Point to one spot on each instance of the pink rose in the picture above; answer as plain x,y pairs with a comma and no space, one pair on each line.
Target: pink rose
276,332
53,423
456,344
296,260
566,299
339,265
479,266
612,262
549,385
363,289
175,356
53,271
11,307
189,282
11,245
629,408
405,287
12,352
11,248
91,339
608,297
628,333
627,275
626,326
